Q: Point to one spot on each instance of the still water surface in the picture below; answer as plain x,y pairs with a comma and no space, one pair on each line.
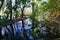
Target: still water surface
17,29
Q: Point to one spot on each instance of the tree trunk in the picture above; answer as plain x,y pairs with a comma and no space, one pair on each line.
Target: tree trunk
10,8
22,16
7,16
12,34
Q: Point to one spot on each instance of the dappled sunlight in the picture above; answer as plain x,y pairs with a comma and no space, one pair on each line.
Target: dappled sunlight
29,19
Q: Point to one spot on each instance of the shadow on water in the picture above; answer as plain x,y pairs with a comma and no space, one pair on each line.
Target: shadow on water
17,32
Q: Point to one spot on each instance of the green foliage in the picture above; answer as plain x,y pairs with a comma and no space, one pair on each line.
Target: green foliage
37,9
58,5
2,21
2,1
7,11
9,5
35,32
47,6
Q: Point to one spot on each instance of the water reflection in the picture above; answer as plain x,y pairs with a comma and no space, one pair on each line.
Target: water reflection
17,29
28,24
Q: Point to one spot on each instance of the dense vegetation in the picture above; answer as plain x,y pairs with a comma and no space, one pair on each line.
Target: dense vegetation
46,13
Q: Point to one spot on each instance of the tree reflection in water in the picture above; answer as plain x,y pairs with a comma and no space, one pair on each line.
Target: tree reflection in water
18,31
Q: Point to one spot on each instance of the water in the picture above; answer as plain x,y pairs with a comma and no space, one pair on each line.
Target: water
17,29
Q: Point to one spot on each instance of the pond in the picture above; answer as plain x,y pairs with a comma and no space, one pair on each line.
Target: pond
18,32
17,29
